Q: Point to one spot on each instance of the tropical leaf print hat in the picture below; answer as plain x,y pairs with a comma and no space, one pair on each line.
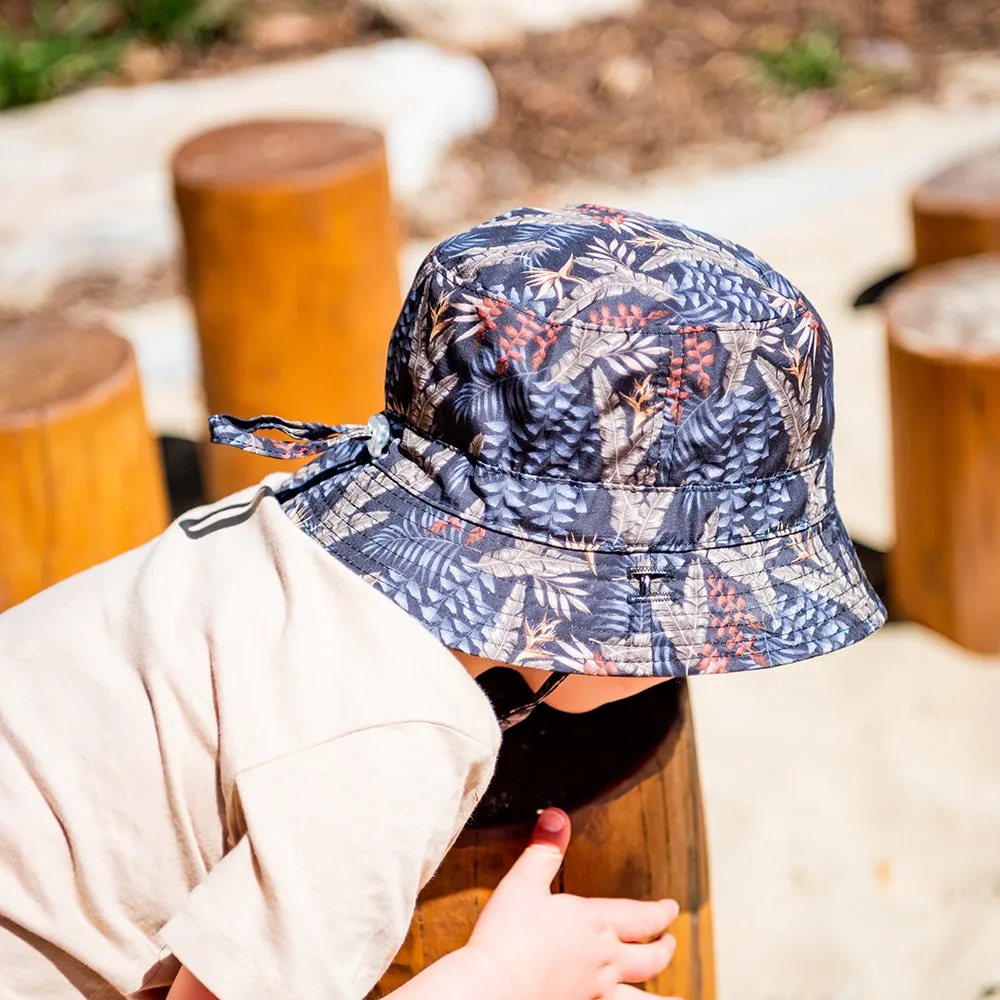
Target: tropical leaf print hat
605,449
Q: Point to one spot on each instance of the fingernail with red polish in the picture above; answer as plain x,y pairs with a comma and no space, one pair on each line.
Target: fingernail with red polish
551,821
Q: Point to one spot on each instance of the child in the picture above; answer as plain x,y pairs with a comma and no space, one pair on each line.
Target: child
605,451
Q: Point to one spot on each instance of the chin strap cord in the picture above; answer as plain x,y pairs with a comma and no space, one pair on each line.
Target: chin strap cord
519,714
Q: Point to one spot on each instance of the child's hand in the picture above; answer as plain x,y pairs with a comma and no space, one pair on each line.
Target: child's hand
532,945
562,947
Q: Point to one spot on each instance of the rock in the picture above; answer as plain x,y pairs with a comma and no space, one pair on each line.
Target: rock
147,63
482,25
885,57
91,170
280,31
625,76
970,79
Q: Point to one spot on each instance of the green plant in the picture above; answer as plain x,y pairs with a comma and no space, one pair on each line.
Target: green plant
812,61
187,22
36,69
76,41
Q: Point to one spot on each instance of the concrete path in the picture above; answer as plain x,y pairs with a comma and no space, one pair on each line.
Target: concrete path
853,807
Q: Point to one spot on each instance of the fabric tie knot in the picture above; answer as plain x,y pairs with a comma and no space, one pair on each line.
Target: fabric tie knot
307,438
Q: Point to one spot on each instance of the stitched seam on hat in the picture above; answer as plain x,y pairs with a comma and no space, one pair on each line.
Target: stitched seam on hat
802,524
764,631
642,653
350,540
631,487
844,587
774,319
797,526
665,596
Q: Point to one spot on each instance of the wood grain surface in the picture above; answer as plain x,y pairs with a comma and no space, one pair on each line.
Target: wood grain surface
290,245
81,478
944,368
956,213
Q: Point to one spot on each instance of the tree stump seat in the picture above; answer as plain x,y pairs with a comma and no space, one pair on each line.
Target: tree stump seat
944,367
628,775
956,213
290,246
81,478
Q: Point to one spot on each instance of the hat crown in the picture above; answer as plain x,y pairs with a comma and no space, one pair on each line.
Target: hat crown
596,345
606,451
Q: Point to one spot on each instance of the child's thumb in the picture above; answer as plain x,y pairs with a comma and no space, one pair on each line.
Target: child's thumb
543,857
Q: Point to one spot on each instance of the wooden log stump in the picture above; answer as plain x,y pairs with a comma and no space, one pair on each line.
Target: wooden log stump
291,252
628,775
81,479
944,369
956,213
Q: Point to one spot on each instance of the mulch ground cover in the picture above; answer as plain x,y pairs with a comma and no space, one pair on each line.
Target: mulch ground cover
625,95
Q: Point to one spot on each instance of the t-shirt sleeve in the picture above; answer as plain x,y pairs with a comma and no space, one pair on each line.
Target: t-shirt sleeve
315,898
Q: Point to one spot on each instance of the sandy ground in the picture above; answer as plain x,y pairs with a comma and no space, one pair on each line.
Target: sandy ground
853,808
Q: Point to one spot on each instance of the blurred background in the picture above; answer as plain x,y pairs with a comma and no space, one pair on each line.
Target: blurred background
853,802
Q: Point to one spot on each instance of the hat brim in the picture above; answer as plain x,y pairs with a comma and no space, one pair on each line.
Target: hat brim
575,609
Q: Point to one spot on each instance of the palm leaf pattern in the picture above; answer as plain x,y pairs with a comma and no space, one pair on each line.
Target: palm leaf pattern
686,620
501,639
588,345
478,258
796,418
622,448
609,453
615,277
559,582
741,342
691,245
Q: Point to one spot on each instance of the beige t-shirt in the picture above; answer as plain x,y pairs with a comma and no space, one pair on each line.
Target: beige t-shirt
224,749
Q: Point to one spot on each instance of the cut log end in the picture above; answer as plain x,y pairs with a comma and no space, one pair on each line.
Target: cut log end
973,184
256,153
944,369
951,309
957,212
82,480
47,367
290,246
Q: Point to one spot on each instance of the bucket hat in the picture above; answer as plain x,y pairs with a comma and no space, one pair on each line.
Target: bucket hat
606,448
